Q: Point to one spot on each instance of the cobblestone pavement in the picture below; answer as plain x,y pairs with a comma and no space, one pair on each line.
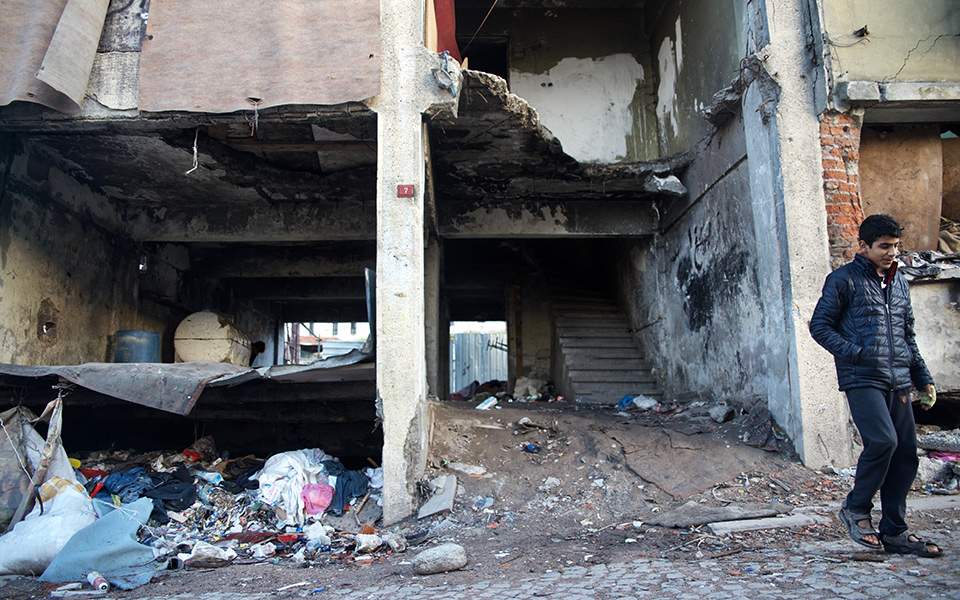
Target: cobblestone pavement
813,572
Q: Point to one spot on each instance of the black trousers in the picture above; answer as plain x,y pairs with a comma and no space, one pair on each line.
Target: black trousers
888,463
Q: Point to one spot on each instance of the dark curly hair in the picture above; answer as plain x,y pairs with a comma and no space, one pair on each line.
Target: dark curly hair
875,227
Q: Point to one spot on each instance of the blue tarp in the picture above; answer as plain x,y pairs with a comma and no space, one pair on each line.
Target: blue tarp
109,545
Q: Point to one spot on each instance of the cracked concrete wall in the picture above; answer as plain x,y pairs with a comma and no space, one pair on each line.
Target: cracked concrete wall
890,41
67,284
781,112
725,293
695,293
698,46
586,72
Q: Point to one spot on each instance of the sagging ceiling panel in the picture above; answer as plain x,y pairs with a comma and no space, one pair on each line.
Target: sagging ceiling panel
227,55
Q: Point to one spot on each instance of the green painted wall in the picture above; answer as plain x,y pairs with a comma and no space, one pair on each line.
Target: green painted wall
904,42
697,46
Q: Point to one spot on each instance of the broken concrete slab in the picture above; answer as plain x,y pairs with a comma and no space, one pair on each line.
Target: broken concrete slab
727,527
693,513
931,470
444,490
472,470
933,503
944,441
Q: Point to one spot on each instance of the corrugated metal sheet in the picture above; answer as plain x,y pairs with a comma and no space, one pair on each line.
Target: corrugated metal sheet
477,357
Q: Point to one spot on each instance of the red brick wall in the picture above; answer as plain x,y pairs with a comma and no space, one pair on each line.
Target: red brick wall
840,148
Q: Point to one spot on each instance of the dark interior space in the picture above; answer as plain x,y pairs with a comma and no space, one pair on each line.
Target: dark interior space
259,418
490,54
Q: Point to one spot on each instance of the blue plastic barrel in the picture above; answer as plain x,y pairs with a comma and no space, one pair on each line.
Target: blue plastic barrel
137,346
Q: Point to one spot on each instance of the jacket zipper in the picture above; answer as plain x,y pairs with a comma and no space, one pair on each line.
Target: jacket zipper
886,306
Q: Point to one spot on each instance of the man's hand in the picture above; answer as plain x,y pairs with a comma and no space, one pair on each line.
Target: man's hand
928,397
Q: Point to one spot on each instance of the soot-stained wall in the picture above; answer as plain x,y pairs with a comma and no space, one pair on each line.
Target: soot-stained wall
693,294
67,283
697,47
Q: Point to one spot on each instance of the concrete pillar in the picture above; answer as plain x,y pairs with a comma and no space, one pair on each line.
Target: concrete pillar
407,89
401,365
782,128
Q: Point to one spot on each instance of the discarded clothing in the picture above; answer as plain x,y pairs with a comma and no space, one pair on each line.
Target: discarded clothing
244,481
234,468
129,485
176,490
945,456
467,392
350,484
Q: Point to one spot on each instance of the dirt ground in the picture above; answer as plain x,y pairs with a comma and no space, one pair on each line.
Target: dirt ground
565,489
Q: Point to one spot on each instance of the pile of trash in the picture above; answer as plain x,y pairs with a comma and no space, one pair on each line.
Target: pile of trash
122,517
525,389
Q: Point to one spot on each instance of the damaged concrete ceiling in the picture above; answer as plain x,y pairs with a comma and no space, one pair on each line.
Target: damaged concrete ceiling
495,153
273,191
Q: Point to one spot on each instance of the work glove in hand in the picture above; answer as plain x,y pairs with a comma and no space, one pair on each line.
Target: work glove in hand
928,397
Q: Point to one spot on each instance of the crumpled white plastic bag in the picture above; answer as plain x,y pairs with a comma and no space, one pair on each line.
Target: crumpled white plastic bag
37,539
284,475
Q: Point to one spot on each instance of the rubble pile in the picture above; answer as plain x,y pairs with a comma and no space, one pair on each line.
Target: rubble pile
939,470
195,508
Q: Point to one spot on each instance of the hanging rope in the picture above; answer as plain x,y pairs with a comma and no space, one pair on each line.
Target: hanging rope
480,27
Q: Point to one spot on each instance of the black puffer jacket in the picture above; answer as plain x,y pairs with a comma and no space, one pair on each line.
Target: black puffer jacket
869,328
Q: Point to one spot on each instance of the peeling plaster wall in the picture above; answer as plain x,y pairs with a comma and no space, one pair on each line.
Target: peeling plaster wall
57,267
587,74
905,41
586,104
698,46
936,306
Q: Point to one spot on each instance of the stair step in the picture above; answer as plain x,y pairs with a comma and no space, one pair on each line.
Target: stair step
594,342
580,376
589,316
608,364
609,398
593,324
589,320
583,303
602,353
616,390
601,332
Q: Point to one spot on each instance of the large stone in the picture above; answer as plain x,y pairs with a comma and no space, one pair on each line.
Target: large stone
440,559
367,543
932,470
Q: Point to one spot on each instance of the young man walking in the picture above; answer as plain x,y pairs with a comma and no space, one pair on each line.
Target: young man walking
865,320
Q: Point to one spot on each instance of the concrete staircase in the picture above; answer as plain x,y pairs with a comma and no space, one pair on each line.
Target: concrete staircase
596,357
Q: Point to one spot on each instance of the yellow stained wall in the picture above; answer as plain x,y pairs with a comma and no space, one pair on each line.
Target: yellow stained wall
903,41
59,269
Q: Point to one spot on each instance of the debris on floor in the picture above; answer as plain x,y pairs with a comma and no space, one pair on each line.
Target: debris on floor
131,515
602,486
